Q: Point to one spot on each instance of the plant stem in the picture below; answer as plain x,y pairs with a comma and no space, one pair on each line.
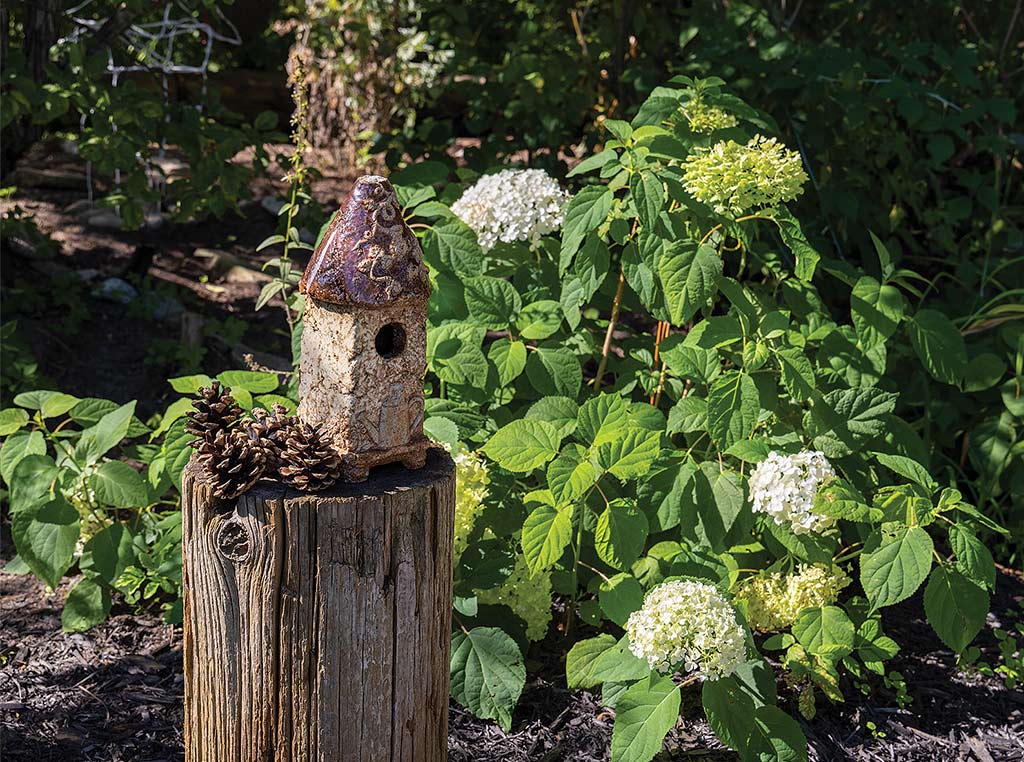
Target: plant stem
616,304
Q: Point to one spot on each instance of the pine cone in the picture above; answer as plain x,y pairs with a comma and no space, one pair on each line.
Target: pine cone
234,461
308,461
270,430
215,410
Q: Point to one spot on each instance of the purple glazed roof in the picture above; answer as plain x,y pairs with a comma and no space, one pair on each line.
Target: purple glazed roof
368,256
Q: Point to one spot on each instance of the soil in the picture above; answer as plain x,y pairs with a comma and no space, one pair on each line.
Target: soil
115,694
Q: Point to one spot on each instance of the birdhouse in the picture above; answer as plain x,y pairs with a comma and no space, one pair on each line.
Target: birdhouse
364,338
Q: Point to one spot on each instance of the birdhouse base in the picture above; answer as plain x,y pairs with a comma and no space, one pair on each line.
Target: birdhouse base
356,465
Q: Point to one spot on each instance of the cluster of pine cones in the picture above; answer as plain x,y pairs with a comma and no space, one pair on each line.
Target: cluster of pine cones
238,450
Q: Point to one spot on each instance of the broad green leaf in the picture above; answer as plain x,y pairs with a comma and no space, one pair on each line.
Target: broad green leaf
32,481
663,492
956,607
454,354
729,710
619,535
631,454
585,212
716,516
797,373
648,195
453,246
690,279
57,404
108,553
547,532
560,412
523,445
983,372
177,409
12,419
595,161
824,627
733,408
876,311
973,558
540,319
190,384
582,659
618,663
776,737
509,357
908,468
45,537
620,596
17,447
894,564
492,302
696,364
34,399
939,346
570,475
688,415
176,450
602,419
806,257
643,716
554,372
106,434
442,430
118,484
487,673
844,419
841,499
87,605
254,382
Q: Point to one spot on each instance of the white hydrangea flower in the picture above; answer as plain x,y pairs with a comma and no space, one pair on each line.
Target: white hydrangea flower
471,489
774,601
513,205
706,119
784,486
690,626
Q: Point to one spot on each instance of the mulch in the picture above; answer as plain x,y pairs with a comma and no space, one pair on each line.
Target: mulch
115,694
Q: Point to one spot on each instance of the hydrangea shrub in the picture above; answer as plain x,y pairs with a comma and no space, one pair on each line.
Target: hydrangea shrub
688,448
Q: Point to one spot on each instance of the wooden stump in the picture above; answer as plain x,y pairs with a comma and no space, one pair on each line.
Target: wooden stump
317,627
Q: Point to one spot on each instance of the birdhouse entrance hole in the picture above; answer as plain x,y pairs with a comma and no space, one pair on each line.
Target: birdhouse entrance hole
390,340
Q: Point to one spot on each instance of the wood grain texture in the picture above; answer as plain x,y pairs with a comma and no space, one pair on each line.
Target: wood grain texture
317,627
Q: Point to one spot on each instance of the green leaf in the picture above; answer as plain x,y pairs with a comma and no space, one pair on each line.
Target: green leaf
841,499
630,455
894,564
17,447
776,737
688,415
956,607
118,484
643,716
619,535
729,710
648,195
454,354
733,408
618,663
824,627
547,532
106,434
32,482
487,673
57,404
255,382
492,302
560,412
453,246
807,257
797,373
582,659
34,399
570,475
602,419
87,605
12,419
689,278
585,212
908,468
554,372
442,430
619,128
509,357
846,418
595,161
45,536
108,553
939,346
190,384
523,445
176,450
876,311
540,319
620,596
973,559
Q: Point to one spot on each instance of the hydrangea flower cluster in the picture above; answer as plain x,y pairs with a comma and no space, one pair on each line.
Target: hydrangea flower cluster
529,597
774,601
513,205
688,625
784,486
471,480
705,119
733,179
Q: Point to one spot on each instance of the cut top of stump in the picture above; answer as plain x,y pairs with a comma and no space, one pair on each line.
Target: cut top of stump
368,257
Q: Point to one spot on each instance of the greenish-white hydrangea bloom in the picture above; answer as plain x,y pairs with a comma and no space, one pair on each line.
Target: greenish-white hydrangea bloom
471,489
774,601
734,179
513,205
705,119
528,596
689,626
784,487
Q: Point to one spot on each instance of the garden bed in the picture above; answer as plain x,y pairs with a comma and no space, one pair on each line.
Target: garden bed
115,694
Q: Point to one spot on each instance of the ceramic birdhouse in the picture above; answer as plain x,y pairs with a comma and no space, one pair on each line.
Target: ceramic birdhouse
364,336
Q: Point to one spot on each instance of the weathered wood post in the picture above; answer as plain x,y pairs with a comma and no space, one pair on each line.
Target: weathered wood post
317,626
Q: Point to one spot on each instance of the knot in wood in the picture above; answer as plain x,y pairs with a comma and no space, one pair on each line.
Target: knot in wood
233,541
